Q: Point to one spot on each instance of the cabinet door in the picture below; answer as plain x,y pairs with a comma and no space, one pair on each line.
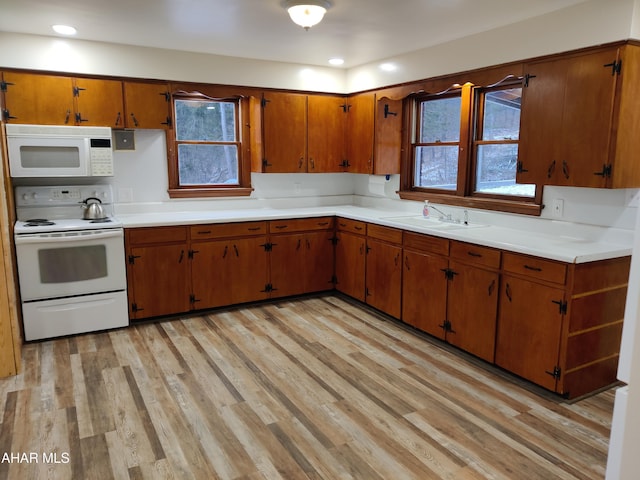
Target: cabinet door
319,263
211,271
326,133
147,105
360,131
424,292
284,127
472,308
99,102
587,119
541,121
250,269
287,262
529,328
38,99
388,137
160,280
350,265
384,276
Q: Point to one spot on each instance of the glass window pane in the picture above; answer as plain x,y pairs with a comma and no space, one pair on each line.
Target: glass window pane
208,164
205,121
502,114
437,167
440,120
496,171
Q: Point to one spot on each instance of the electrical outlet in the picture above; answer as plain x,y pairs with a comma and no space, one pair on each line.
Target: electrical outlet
557,208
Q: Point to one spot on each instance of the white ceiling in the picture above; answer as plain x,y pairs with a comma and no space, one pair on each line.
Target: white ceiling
360,31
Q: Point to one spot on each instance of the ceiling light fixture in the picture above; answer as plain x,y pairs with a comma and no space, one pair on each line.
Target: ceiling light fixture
336,61
64,29
307,13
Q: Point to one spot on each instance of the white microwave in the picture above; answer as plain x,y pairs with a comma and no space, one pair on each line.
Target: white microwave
59,151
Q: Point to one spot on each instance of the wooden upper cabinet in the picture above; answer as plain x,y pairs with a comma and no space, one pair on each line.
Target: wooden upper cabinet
284,130
99,102
53,100
572,110
360,133
388,136
147,105
38,99
374,134
326,133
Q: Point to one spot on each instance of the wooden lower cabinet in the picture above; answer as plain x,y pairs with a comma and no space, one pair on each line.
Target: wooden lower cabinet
424,283
157,271
560,324
351,245
383,279
227,272
530,326
301,261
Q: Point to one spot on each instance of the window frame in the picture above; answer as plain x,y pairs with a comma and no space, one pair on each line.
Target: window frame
465,194
243,187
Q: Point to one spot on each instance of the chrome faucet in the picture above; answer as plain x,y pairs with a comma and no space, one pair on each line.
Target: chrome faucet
444,217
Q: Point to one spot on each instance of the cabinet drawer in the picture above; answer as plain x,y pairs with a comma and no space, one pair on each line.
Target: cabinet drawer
475,254
353,226
300,225
535,267
387,234
152,235
222,230
426,243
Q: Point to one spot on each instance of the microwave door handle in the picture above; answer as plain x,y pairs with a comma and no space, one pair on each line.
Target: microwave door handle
67,237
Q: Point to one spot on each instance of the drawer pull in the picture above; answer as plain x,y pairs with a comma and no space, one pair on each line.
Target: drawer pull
535,269
474,254
323,224
204,232
342,224
357,228
281,227
254,229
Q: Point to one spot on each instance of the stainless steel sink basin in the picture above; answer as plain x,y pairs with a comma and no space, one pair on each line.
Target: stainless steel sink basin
432,224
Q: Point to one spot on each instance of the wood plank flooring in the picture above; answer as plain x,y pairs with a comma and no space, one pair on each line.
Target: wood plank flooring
311,388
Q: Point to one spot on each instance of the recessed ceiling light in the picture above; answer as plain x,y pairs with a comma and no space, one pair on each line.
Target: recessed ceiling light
64,29
388,67
336,61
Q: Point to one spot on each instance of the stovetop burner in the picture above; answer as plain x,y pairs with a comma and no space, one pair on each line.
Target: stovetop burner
99,220
38,222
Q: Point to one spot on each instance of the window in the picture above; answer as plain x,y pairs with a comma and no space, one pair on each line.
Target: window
496,143
206,155
464,149
436,149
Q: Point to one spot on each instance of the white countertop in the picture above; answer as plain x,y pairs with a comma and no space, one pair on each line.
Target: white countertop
565,244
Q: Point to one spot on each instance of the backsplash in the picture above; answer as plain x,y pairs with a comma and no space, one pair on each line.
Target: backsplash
141,182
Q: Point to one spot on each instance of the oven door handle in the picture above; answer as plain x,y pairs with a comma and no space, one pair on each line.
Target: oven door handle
67,237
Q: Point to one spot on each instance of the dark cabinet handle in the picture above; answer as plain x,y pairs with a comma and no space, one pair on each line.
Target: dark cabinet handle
357,228
253,229
474,254
224,254
551,169
204,232
492,286
281,227
507,292
565,169
299,243
323,224
135,120
66,118
235,248
118,118
181,256
535,269
406,263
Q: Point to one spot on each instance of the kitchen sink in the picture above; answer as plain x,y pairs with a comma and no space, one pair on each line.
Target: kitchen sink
432,224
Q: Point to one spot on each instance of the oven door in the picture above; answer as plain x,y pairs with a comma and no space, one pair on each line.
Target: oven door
66,264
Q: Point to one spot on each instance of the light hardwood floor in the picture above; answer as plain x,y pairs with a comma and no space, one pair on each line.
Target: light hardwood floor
317,388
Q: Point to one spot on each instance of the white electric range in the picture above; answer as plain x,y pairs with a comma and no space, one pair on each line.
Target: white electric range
71,271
